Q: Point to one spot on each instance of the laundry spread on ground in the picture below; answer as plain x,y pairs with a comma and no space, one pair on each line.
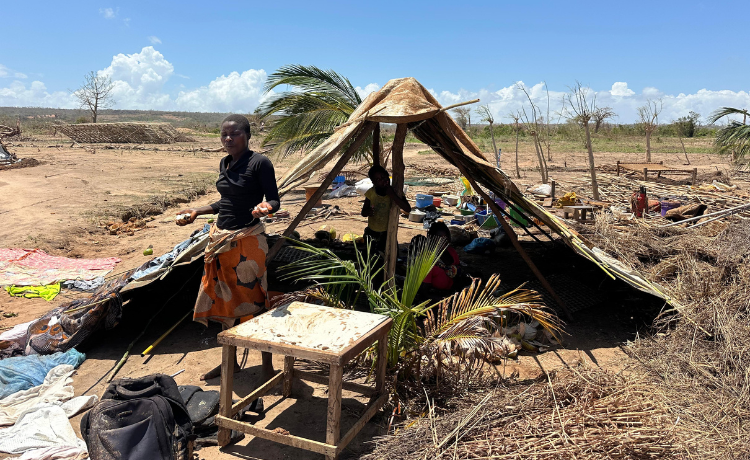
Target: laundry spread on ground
33,267
56,389
24,372
41,427
48,292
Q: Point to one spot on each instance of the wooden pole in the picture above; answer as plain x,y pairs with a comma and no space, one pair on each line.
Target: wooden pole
376,145
397,163
358,141
228,356
506,226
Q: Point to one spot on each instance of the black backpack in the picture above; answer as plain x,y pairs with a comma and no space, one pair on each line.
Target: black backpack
139,419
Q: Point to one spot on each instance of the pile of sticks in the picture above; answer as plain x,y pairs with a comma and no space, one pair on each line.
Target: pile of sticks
578,413
618,190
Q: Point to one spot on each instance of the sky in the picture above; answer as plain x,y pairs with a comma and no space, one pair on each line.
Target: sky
211,56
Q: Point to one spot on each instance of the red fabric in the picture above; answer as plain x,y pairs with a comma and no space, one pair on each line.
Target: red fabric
36,258
437,277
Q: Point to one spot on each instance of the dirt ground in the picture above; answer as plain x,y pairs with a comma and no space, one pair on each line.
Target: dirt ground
58,205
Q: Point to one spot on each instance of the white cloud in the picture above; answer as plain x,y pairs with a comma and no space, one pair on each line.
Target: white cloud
231,93
17,94
364,92
154,40
126,21
620,88
20,75
3,71
108,13
139,79
622,99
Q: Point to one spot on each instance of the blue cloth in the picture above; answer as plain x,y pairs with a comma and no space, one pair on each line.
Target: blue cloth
479,246
23,372
165,260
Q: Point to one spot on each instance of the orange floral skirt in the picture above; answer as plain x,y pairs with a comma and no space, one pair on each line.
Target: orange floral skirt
234,284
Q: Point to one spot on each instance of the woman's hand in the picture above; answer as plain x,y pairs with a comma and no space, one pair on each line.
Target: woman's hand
262,210
193,213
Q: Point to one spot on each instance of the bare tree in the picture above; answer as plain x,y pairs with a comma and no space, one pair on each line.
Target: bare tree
649,116
463,117
517,127
485,115
532,124
601,114
582,111
95,94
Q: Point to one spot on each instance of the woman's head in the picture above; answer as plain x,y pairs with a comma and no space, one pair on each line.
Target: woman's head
235,133
379,176
439,230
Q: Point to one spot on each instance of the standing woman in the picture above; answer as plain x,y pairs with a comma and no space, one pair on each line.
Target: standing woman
234,286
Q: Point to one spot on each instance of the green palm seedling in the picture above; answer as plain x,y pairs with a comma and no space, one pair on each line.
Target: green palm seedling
345,281
319,101
734,138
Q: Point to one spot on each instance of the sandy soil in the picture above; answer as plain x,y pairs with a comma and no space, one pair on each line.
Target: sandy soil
57,205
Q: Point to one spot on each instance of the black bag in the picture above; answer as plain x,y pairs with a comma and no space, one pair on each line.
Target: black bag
138,419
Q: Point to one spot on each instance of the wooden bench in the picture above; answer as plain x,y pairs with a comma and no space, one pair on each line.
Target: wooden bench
658,168
579,211
300,330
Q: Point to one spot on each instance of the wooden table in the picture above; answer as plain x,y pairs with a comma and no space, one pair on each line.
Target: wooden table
579,211
659,168
301,330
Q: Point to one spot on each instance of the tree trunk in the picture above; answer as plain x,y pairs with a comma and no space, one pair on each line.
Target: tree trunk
494,145
540,158
518,170
648,146
592,167
597,125
683,149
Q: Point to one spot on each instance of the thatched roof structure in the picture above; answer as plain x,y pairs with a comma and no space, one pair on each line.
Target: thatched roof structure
123,133
407,103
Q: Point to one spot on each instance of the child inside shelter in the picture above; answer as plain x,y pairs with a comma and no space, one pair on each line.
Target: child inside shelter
443,274
377,206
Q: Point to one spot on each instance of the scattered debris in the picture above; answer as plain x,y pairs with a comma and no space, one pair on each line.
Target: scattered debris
126,133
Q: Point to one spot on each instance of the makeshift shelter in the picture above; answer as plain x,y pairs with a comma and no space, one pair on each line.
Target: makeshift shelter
124,133
411,107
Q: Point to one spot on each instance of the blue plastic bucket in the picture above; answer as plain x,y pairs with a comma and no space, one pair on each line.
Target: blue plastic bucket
667,205
424,200
457,222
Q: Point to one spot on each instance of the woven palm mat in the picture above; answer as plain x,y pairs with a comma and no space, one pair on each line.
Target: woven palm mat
576,295
289,254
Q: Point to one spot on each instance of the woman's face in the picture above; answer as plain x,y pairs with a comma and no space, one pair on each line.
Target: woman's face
233,138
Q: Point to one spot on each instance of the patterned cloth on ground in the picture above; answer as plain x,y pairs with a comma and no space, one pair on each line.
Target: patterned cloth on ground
23,372
68,325
48,292
234,284
29,267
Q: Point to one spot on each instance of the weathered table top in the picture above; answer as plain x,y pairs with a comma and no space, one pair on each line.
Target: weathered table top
309,331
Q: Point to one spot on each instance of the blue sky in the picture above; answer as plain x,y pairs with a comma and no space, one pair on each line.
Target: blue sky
215,56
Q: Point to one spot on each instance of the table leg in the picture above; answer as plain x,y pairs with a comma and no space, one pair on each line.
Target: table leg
576,215
333,427
228,356
382,364
583,214
288,375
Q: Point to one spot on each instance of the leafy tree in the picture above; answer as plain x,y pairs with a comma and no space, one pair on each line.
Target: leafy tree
95,94
734,138
463,117
308,113
687,125
600,115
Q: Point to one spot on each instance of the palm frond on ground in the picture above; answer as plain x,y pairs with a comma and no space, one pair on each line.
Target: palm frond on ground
466,323
733,139
318,102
